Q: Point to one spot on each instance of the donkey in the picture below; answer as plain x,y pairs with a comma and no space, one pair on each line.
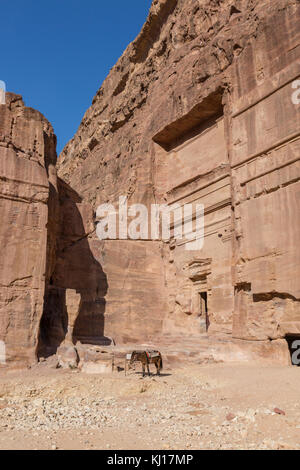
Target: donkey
146,358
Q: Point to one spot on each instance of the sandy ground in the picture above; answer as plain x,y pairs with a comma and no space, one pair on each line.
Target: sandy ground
218,406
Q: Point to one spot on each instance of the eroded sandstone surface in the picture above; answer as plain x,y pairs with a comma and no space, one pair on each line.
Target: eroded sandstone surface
28,183
199,108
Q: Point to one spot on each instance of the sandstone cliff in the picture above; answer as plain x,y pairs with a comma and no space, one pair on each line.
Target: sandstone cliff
28,185
199,108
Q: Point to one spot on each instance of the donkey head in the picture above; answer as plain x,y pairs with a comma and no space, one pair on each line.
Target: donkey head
133,358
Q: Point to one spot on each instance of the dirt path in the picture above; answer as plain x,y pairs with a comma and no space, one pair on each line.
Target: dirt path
197,407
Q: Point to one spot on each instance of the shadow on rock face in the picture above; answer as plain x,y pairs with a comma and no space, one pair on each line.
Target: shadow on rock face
76,286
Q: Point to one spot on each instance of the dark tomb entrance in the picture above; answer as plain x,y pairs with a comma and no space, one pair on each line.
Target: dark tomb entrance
204,308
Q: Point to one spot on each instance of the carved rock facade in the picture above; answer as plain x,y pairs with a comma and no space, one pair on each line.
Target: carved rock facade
199,109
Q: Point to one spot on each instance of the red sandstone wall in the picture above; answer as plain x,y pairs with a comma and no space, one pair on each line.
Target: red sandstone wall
265,168
192,63
27,171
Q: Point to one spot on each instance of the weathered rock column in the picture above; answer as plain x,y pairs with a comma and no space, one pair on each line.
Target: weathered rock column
27,171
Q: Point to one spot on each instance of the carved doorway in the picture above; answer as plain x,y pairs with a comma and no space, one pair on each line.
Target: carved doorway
204,308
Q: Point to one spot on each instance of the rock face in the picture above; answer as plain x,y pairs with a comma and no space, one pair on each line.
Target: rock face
76,285
198,110
27,183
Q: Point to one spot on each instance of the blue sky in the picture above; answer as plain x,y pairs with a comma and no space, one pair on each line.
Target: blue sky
56,54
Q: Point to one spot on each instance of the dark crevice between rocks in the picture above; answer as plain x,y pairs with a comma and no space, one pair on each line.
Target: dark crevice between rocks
234,10
121,85
267,296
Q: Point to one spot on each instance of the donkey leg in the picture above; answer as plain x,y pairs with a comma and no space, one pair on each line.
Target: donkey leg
143,365
148,369
158,367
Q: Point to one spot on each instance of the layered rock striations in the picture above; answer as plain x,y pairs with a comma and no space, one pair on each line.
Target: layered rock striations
27,187
199,109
